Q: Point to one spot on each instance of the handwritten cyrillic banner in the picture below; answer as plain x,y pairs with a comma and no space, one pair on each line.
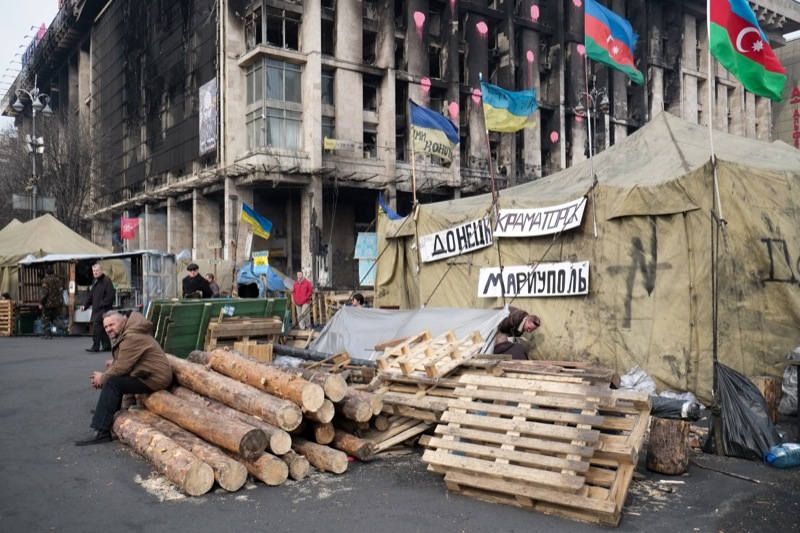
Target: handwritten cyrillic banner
455,241
545,279
540,221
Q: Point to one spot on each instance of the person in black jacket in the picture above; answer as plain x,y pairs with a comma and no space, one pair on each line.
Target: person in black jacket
514,325
195,285
100,300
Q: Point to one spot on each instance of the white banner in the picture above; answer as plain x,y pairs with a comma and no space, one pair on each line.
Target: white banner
540,221
544,279
456,241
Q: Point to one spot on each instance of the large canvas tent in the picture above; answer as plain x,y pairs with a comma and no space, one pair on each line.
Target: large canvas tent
649,300
38,237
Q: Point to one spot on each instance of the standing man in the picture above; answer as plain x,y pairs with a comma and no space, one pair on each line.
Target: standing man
212,283
139,366
51,302
195,285
301,294
100,300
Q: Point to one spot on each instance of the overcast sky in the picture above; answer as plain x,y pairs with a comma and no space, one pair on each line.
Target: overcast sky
16,19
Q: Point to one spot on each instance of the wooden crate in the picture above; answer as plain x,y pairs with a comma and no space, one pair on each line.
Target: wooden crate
261,352
226,331
7,318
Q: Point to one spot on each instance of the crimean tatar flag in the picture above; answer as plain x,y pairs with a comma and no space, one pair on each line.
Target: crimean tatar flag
127,228
740,46
261,226
507,111
609,39
432,133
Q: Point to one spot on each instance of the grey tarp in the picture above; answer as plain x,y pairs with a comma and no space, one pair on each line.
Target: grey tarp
357,330
649,301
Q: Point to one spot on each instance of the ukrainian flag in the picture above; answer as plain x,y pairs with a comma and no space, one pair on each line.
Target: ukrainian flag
507,111
261,226
432,132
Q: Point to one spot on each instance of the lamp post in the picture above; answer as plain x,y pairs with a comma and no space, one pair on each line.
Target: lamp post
596,100
35,145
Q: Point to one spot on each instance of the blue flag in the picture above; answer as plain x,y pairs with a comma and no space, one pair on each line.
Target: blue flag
386,209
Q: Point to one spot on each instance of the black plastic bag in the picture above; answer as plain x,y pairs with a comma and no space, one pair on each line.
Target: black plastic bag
747,429
673,408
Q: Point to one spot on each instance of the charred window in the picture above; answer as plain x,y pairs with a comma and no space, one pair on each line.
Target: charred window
327,86
371,84
253,29
283,29
274,113
328,38
370,140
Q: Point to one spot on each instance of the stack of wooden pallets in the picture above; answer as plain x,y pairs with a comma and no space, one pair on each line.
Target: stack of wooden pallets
226,331
7,318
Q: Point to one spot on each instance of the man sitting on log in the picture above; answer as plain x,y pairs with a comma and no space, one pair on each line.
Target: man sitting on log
139,366
514,325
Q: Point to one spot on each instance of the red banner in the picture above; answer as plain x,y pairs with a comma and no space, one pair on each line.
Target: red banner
128,228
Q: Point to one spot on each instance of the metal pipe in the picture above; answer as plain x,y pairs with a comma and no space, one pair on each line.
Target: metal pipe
311,355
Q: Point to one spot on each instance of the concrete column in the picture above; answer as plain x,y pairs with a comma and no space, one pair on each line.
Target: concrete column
451,42
311,40
231,86
348,84
179,226
532,137
477,64
386,127
576,82
205,219
84,78
155,229
311,228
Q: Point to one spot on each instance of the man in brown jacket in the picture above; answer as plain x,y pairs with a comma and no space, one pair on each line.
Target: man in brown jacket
514,325
139,366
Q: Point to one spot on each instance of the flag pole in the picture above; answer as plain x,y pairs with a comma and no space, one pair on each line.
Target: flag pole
589,105
717,199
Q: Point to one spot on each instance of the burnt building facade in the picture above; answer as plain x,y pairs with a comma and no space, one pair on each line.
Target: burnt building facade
208,104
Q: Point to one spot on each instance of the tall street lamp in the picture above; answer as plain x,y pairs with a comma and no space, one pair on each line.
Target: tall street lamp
35,145
596,100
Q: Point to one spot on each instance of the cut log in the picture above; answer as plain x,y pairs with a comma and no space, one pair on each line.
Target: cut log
771,392
381,422
667,451
334,385
323,414
230,474
227,433
268,468
351,426
355,408
323,458
323,432
374,400
242,397
179,465
268,378
361,449
278,440
298,465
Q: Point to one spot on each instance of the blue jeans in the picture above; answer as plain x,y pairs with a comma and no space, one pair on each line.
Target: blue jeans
110,399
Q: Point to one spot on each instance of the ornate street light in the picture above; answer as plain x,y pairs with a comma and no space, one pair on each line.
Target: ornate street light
596,100
35,145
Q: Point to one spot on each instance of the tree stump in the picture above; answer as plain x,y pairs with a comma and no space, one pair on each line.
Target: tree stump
771,392
667,451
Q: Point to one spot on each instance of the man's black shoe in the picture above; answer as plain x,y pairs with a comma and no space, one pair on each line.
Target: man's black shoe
98,437
92,349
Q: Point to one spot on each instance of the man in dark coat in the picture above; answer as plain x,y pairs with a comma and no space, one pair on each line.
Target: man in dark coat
51,301
515,324
139,366
195,285
100,300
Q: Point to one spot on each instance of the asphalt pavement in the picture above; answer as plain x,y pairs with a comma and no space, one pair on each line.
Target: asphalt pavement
48,484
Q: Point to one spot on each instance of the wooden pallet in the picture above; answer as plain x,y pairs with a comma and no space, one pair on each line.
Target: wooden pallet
261,352
401,429
7,318
226,331
553,446
422,355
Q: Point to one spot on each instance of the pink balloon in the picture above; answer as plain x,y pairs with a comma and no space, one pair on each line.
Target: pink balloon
453,110
534,13
554,137
581,49
419,18
578,118
530,56
476,96
426,84
577,3
483,29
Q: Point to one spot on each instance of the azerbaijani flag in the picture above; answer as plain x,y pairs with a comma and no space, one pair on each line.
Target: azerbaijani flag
261,226
740,46
507,111
609,39
432,132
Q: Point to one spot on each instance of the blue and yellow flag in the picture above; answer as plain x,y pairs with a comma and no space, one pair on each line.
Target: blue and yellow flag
507,111
261,226
432,133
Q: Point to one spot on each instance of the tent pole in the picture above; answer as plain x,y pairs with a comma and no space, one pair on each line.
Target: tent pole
716,407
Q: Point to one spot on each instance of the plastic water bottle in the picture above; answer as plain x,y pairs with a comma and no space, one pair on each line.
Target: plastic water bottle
784,455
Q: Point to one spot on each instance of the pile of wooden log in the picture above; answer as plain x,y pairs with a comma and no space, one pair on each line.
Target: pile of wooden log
228,415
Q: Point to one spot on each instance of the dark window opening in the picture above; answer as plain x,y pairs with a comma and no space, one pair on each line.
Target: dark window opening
328,38
283,29
371,84
327,86
401,129
253,29
435,66
370,141
369,47
399,54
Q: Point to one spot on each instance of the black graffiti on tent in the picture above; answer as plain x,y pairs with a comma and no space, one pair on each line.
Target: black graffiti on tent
774,244
641,262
